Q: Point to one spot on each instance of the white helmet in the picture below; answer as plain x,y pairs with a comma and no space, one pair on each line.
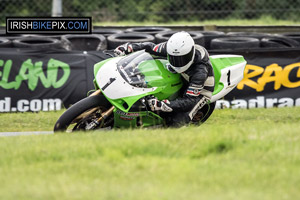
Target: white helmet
181,51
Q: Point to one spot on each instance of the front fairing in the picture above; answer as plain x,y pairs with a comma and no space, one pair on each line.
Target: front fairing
125,80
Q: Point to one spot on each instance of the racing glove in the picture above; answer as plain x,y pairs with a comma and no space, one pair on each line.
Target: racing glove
123,49
157,105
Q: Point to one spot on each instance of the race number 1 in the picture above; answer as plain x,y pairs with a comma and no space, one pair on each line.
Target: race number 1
228,77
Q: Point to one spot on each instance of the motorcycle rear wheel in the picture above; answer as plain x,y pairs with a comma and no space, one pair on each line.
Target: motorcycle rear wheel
83,112
204,113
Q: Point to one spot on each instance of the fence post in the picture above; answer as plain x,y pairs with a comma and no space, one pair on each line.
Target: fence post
57,8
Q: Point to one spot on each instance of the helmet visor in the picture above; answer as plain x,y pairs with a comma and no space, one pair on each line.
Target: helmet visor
181,61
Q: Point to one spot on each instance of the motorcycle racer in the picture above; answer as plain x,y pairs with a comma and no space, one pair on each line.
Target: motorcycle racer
192,62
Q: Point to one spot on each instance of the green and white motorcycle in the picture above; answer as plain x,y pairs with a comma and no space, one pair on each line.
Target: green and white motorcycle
123,84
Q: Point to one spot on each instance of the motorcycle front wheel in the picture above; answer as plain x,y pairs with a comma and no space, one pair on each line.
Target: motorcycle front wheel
81,115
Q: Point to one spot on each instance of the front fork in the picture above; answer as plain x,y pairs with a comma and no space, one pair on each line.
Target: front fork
103,116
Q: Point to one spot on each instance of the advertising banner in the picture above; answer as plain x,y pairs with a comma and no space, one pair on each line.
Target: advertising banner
271,79
35,80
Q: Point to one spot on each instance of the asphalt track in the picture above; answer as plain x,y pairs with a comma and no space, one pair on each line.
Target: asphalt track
5,134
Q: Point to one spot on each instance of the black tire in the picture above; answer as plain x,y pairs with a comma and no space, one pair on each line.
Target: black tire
292,35
234,43
37,43
248,34
278,41
116,40
164,36
10,37
51,36
5,43
78,108
106,32
147,30
204,113
92,42
210,35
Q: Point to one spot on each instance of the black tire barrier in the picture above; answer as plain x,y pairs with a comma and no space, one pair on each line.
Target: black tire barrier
51,36
234,43
164,36
4,43
106,32
278,41
210,35
93,42
292,35
37,43
248,34
121,38
10,37
147,30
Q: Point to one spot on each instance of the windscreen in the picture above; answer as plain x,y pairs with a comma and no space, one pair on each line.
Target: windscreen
128,68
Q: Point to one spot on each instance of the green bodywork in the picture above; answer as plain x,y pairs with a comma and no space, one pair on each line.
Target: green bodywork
168,86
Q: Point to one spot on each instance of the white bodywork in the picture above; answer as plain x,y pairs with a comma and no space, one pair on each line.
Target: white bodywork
119,88
236,75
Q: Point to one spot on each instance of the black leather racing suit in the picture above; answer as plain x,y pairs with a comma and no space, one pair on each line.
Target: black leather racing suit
199,87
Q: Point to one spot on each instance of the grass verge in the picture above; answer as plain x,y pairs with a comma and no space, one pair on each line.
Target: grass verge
237,154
